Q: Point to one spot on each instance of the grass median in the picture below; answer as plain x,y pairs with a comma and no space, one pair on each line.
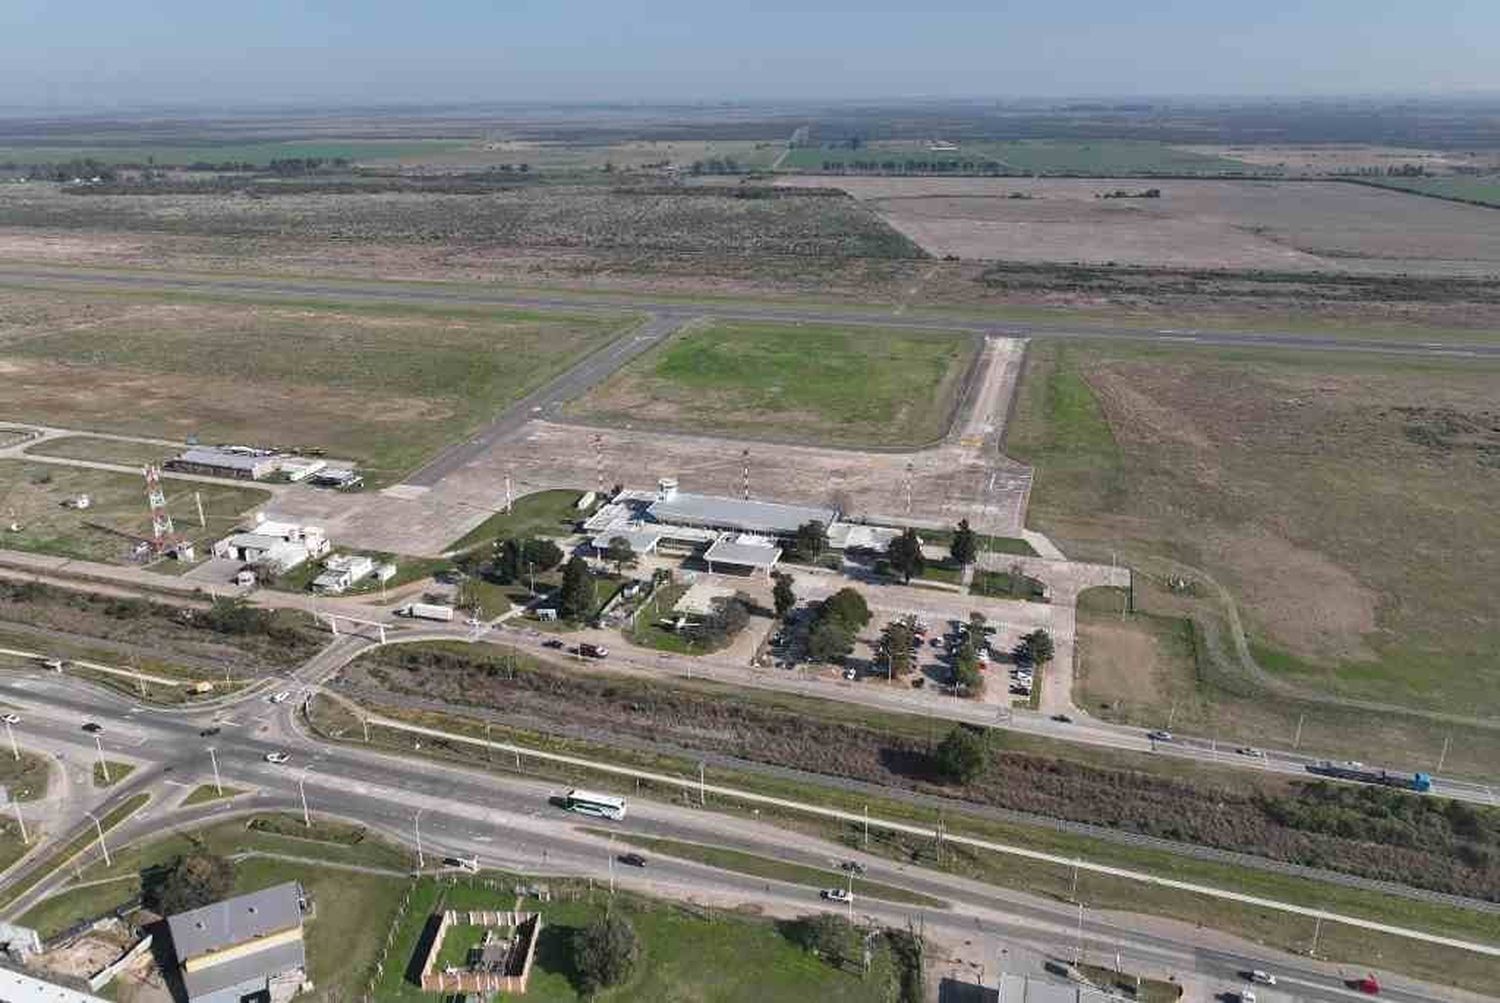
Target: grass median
72,848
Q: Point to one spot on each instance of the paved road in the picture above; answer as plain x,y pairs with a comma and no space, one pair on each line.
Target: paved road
507,822
547,401
438,294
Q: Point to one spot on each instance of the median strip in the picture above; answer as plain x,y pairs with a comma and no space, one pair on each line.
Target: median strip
73,848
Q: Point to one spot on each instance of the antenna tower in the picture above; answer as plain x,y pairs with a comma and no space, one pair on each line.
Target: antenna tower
161,519
599,463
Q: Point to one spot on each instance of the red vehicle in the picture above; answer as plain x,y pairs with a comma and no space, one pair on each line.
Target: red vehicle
1366,985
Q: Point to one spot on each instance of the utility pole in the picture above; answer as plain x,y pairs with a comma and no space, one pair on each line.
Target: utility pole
103,766
218,787
611,865
15,750
1442,756
867,827
1297,739
702,796
1080,934
1317,929
99,828
417,824
198,500
1073,895
20,822
302,790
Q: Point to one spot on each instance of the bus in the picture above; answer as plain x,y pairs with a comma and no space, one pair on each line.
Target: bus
589,803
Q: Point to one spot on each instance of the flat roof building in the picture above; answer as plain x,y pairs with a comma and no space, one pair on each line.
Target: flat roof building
283,545
215,461
246,947
19,987
732,514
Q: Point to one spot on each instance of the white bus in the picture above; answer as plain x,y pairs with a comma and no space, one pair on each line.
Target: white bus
589,803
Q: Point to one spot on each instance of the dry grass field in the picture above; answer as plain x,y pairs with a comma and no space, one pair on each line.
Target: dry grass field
805,383
716,220
1262,225
1346,503
384,386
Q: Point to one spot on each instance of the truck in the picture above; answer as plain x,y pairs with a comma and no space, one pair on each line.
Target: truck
426,611
1419,782
588,650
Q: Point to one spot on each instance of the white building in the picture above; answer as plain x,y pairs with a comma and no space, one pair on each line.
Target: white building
342,572
282,545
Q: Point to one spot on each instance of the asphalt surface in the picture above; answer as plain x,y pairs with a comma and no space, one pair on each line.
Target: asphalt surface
507,821
371,291
545,402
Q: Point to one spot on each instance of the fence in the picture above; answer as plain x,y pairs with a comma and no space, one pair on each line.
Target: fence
528,928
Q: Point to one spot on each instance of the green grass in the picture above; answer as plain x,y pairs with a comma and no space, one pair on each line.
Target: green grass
71,849
1132,985
1484,190
117,516
987,544
813,382
408,569
365,396
687,952
490,597
1002,585
647,630
62,910
205,793
24,779
545,513
121,451
1099,158
942,571
114,774
1147,452
741,862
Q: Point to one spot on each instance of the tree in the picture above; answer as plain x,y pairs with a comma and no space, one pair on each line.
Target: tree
1036,646
810,540
574,598
967,678
728,615
847,607
605,953
826,934
541,554
963,755
188,882
905,554
507,566
829,641
783,595
898,645
965,546
620,553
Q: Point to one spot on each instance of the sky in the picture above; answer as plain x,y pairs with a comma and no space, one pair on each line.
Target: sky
68,54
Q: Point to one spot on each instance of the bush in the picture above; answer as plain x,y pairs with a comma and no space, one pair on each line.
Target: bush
187,883
826,934
963,755
605,953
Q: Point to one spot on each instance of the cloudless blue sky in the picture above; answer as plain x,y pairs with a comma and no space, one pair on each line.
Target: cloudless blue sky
75,53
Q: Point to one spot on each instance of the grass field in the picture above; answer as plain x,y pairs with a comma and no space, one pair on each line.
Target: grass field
351,380
1343,503
1103,158
94,448
24,779
1484,190
204,793
805,382
545,513
259,154
687,952
109,773
34,496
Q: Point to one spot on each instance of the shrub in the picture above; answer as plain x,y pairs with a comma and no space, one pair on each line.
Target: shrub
605,953
187,883
962,756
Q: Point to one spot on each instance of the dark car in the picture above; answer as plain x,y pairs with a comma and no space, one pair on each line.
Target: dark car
208,732
91,727
552,642
1062,719
852,865
633,859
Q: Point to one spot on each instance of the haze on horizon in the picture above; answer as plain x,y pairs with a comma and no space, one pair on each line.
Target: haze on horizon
94,55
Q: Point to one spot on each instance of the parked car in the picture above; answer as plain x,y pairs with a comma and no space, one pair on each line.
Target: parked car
588,650
633,859
92,728
1247,996
278,758
1159,735
837,895
552,642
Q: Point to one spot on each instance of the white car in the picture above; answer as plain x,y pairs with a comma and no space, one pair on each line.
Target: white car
11,719
55,664
1263,978
278,758
837,895
1247,996
1251,751
281,697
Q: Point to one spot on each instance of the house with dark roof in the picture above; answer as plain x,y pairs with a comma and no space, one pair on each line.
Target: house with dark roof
246,949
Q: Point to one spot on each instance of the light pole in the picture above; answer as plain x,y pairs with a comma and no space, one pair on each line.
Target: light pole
302,791
20,822
218,787
99,828
1080,933
417,824
15,750
103,766
611,865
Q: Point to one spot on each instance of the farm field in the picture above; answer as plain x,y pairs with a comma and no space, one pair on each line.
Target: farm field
1485,190
551,156
854,387
166,154
1276,226
1100,158
1344,503
345,379
35,496
721,220
101,450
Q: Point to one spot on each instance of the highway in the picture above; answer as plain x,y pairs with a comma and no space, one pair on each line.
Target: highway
438,294
507,822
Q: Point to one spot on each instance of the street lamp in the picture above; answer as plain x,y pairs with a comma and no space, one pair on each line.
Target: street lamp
417,824
302,791
103,766
218,787
14,749
99,828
